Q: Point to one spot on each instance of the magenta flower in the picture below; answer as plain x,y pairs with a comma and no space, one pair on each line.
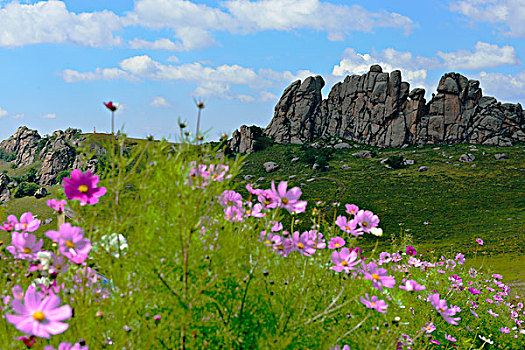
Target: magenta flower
345,260
379,277
429,328
374,303
24,245
27,223
450,338
480,241
367,220
316,239
231,198
71,242
504,330
441,307
348,226
336,242
277,226
302,243
67,346
39,317
289,199
9,226
492,313
411,250
474,291
412,286
57,205
352,209
268,199
460,258
83,187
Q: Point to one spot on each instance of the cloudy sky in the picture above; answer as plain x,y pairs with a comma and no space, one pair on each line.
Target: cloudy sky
59,60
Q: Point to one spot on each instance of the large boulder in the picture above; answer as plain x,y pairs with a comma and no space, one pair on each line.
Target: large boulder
378,108
270,167
5,194
244,140
54,162
24,143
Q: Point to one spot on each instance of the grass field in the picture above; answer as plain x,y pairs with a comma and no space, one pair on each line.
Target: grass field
443,209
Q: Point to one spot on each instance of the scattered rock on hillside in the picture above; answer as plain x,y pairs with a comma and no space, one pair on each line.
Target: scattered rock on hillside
422,168
344,167
408,161
270,166
467,158
310,180
342,145
363,154
248,177
41,193
5,194
294,160
48,221
260,179
292,176
499,156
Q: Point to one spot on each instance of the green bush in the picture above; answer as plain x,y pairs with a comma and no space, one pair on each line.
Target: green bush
26,189
396,162
63,174
7,156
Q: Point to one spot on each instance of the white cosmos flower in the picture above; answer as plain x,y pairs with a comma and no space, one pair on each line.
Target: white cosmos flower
376,231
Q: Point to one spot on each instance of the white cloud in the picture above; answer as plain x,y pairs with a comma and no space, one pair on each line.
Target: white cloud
510,13
160,44
314,14
160,101
413,69
51,22
3,113
173,59
18,116
484,56
504,87
49,116
71,76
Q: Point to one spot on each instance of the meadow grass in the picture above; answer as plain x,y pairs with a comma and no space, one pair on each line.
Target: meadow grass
197,274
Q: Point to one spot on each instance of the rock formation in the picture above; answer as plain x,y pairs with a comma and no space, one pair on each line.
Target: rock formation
23,143
5,194
243,140
379,109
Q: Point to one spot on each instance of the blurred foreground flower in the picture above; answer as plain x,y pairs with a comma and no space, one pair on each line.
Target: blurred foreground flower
83,187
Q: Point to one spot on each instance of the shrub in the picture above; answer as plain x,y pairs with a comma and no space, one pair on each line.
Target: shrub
61,175
25,189
7,156
396,162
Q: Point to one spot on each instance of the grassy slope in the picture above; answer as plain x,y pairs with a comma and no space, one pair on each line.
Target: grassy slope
460,203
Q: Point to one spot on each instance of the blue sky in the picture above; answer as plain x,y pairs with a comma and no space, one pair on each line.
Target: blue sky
59,60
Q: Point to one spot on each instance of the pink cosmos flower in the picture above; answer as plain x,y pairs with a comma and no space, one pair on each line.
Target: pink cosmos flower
67,346
429,328
254,210
411,250
345,260
24,245
367,220
9,226
450,338
336,242
348,226
39,316
460,258
289,199
374,303
379,277
277,226
233,214
57,205
282,246
441,307
384,258
352,209
317,240
302,243
480,241
474,291
268,199
493,313
252,191
504,330
231,198
412,286
27,223
338,347
83,187
71,242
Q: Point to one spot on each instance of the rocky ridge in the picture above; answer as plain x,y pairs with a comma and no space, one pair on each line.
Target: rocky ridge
379,109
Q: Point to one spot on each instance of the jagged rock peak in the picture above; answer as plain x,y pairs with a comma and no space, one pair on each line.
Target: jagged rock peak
378,108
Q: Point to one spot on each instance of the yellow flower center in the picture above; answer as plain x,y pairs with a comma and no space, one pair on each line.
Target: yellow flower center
365,224
70,244
39,316
348,228
248,212
300,245
376,277
373,304
266,202
285,201
230,203
83,188
344,263
25,225
27,250
59,267
337,245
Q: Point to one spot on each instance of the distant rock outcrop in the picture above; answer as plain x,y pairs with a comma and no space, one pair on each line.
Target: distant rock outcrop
243,140
379,109
5,194
23,143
